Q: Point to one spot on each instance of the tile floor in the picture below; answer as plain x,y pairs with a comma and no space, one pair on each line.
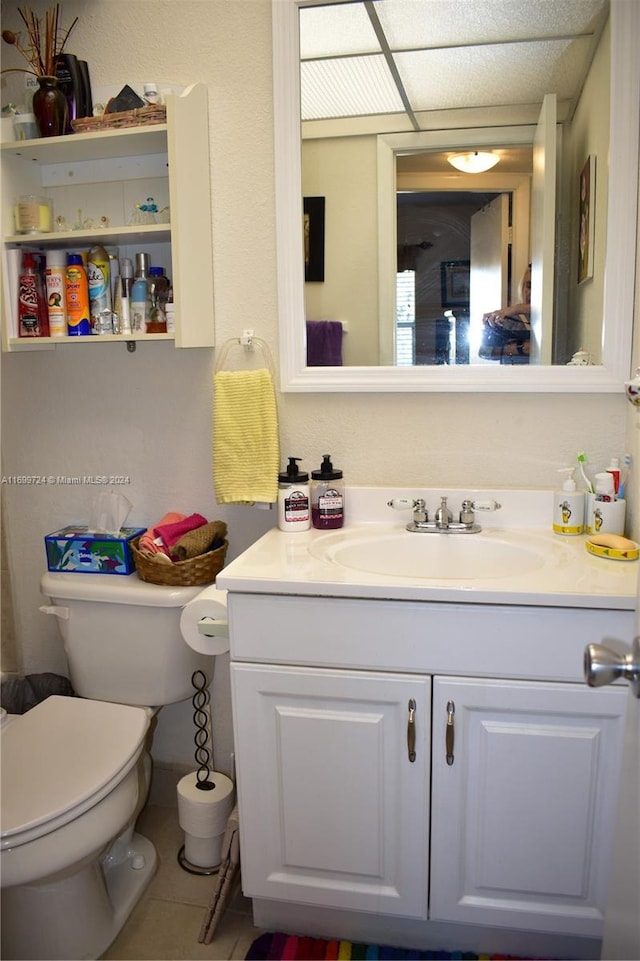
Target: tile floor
165,924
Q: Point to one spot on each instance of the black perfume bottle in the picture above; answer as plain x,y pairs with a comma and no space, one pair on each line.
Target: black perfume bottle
87,97
69,81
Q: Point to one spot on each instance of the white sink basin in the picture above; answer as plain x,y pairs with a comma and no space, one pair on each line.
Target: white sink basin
429,556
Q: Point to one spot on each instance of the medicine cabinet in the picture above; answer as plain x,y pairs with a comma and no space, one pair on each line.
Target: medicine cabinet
96,181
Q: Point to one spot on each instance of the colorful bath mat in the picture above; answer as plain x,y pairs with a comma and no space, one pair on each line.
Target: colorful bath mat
287,947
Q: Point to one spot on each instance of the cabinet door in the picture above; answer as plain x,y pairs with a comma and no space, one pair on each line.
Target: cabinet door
332,810
522,817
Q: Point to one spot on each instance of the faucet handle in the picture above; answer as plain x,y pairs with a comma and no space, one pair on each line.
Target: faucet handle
402,503
489,505
417,505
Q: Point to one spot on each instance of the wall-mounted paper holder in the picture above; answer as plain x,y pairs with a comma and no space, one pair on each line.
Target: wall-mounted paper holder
213,627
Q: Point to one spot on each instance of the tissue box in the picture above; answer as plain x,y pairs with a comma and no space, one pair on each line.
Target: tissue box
75,550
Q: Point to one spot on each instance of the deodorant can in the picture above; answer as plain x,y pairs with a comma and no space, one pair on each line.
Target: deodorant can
55,283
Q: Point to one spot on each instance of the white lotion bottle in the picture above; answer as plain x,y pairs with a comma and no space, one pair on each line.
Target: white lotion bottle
294,511
568,506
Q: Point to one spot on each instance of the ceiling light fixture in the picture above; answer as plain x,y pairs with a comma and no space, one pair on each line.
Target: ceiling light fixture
473,163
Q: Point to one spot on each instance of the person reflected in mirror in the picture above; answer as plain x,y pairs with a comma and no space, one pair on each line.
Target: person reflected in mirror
506,333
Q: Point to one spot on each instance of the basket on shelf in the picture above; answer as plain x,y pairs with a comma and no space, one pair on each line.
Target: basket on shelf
201,569
138,117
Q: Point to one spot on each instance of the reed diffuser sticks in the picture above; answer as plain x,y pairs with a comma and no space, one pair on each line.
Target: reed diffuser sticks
44,42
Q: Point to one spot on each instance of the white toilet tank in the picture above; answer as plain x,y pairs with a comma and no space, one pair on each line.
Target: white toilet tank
122,637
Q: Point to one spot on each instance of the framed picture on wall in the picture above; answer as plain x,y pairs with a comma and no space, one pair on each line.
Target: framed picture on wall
313,227
454,279
586,219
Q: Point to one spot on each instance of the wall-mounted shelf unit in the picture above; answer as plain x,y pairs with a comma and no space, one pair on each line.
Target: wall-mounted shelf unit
105,174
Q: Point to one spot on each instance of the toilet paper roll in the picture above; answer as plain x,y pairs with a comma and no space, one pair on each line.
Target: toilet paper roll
201,813
206,612
203,852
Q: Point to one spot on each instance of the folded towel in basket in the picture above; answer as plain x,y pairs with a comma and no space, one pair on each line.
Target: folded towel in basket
246,452
171,533
199,541
151,542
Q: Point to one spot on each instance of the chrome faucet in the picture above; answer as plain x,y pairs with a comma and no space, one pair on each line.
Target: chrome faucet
443,522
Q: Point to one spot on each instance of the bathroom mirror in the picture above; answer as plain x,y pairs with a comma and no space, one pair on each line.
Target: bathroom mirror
619,268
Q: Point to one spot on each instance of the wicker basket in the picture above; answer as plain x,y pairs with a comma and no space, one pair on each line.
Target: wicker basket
138,117
197,570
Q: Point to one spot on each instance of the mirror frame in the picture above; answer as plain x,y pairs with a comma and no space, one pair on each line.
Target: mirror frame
620,265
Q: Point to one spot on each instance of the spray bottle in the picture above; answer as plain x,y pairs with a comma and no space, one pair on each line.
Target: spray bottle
568,506
98,275
33,319
293,499
77,297
55,283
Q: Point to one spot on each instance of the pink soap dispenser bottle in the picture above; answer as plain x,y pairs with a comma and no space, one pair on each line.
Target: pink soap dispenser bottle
327,496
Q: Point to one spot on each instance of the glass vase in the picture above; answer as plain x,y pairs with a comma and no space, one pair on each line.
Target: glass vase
50,107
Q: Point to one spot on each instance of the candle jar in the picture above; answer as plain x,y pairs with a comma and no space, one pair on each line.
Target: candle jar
33,215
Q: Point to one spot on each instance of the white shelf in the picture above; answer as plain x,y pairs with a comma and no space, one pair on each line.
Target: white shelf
97,145
156,233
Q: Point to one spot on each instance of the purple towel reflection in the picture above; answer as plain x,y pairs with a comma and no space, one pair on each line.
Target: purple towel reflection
324,343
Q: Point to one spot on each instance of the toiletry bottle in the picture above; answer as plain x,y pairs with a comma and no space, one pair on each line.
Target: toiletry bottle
126,279
67,71
158,286
604,487
327,496
32,312
55,283
568,506
77,293
99,279
140,309
614,470
293,499
116,287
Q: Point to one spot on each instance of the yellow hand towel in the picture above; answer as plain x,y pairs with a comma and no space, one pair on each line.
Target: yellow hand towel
245,437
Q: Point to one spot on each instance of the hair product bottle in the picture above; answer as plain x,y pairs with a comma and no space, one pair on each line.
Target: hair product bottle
293,499
55,284
327,496
140,309
77,292
126,280
32,312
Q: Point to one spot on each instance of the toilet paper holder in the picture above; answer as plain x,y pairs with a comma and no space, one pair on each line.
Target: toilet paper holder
213,627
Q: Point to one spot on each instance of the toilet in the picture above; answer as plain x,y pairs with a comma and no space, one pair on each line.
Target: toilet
76,771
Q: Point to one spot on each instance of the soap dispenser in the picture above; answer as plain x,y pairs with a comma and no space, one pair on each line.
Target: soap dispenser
568,506
327,496
293,498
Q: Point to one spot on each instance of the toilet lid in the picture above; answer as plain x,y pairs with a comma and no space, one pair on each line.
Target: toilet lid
60,754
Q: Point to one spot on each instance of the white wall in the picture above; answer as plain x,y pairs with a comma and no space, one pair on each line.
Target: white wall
102,410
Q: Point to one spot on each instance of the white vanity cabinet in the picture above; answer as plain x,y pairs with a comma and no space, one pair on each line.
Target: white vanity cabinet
523,811
105,174
515,832
333,808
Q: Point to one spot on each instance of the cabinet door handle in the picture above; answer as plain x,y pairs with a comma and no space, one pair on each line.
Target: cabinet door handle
411,731
451,710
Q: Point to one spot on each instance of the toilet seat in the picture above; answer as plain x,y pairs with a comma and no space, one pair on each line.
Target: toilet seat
79,749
